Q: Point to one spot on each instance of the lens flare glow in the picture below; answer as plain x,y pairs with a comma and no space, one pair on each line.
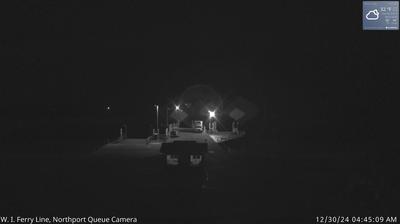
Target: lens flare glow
211,114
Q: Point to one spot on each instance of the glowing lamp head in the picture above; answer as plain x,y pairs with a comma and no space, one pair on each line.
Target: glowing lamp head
211,114
108,108
177,107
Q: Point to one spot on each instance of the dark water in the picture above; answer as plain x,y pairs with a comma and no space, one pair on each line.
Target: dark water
65,134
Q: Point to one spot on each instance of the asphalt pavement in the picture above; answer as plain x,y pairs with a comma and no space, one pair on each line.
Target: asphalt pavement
261,183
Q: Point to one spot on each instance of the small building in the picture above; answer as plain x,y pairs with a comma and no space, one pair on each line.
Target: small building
184,153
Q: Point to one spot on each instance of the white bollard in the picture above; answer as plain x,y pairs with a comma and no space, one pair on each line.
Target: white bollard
121,134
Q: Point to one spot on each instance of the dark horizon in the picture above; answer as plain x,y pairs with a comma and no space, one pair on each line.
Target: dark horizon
298,61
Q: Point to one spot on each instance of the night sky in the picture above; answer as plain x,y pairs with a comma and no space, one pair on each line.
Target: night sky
307,62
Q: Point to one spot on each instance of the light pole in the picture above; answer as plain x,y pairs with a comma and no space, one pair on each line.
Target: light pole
167,116
157,117
177,108
212,117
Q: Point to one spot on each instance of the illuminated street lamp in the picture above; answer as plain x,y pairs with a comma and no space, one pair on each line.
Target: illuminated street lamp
177,108
211,114
212,118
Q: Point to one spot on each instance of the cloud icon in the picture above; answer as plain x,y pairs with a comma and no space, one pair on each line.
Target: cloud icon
372,15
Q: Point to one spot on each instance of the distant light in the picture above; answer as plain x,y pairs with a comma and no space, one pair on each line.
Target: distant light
177,107
211,114
108,108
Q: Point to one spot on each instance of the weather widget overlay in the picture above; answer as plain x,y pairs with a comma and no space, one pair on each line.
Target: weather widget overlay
381,15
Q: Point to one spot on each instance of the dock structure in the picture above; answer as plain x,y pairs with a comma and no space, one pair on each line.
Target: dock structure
135,147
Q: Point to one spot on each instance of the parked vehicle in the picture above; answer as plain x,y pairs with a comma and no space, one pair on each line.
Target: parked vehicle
185,164
184,153
173,134
197,125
